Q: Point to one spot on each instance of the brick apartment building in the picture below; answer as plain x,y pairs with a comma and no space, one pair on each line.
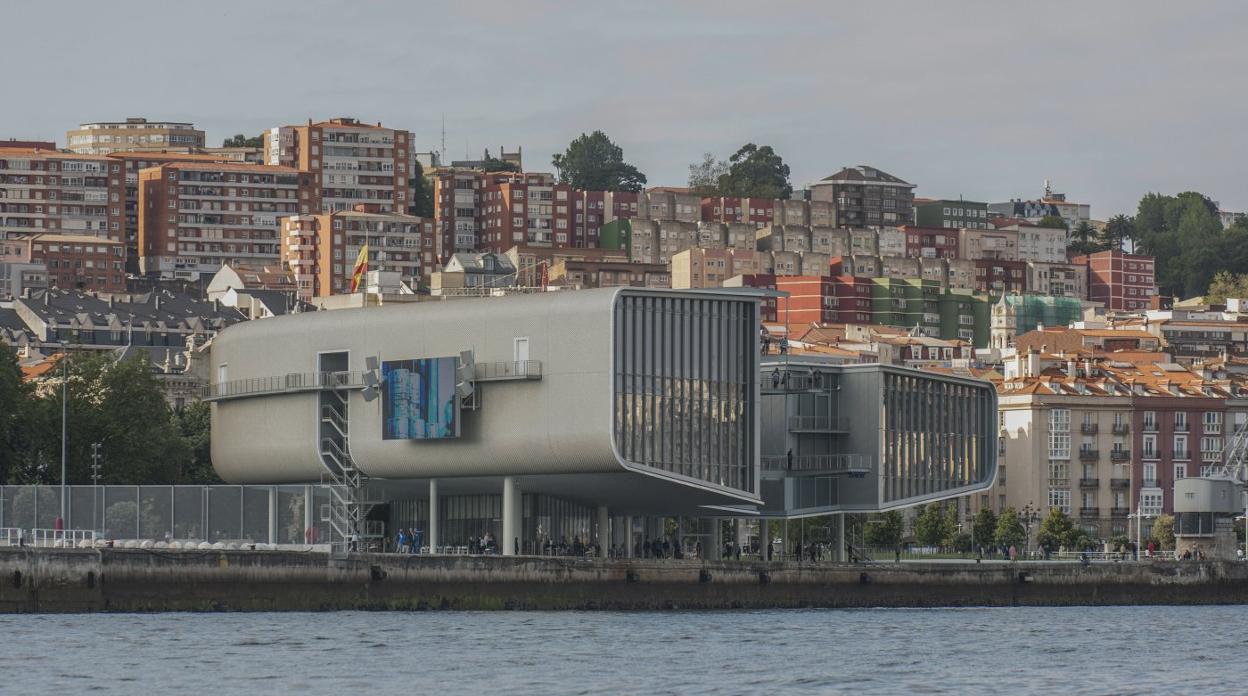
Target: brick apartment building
85,263
196,216
1122,281
824,300
45,191
350,162
321,249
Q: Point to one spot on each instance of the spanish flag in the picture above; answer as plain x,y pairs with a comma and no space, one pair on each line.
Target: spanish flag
361,267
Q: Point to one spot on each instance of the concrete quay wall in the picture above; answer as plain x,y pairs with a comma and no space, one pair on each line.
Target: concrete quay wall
128,580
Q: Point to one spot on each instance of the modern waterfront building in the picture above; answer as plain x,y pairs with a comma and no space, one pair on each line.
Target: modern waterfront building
511,415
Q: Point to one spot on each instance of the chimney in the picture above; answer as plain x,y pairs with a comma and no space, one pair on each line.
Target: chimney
157,296
1072,368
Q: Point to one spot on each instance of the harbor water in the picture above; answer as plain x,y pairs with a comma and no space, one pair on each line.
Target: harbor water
1080,650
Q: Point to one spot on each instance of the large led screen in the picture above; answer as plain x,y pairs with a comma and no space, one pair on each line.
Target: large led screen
418,399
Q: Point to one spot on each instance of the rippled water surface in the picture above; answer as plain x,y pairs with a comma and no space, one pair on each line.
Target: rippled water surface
1108,650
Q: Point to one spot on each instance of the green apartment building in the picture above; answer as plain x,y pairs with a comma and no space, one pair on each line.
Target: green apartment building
946,314
951,214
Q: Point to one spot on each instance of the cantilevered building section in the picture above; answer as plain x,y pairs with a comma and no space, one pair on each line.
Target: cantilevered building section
864,438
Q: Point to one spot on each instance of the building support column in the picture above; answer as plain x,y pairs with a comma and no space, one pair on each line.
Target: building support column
511,507
309,530
433,516
784,536
272,514
716,543
839,557
604,531
628,536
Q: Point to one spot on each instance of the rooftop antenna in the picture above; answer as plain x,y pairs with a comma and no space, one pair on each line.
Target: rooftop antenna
1048,190
443,153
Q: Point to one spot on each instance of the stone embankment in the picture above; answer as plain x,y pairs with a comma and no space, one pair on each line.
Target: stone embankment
87,580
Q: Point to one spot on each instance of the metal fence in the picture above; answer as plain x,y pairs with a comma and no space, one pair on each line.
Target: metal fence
260,514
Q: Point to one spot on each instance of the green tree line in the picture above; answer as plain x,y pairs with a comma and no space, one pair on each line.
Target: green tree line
118,404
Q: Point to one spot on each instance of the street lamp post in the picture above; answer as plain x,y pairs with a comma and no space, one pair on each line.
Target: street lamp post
64,432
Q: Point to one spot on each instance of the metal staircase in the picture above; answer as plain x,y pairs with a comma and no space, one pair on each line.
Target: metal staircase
349,499
1234,465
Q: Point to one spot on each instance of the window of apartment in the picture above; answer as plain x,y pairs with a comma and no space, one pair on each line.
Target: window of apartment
1150,502
1059,433
1180,420
1180,471
1213,421
1211,448
1150,420
1150,474
1059,498
1180,447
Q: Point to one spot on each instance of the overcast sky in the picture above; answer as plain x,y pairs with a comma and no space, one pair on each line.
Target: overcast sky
985,100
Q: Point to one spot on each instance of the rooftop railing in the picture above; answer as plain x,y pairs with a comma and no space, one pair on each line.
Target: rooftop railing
519,369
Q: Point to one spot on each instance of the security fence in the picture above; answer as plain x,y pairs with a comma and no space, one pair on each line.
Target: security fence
261,514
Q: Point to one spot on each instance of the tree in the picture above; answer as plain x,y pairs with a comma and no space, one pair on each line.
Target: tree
1083,240
194,425
15,407
985,526
421,203
704,176
1057,531
756,171
886,530
241,140
1227,285
934,525
1118,229
1163,532
1010,530
1053,221
1184,234
594,163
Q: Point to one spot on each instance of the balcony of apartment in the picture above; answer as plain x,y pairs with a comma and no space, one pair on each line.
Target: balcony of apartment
1087,454
1148,483
1089,483
818,424
1118,512
1150,426
1150,455
1089,512
1119,455
1089,428
1119,483
1181,455
1182,427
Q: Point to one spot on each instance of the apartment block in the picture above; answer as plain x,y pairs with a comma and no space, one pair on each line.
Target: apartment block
321,249
78,262
824,299
998,276
55,192
999,245
132,135
351,162
1119,280
593,209
1040,244
670,203
758,212
1101,437
131,164
1061,279
866,196
700,267
196,216
523,208
586,274
931,242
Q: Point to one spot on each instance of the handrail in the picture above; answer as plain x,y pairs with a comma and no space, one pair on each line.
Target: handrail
518,369
277,384
818,462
